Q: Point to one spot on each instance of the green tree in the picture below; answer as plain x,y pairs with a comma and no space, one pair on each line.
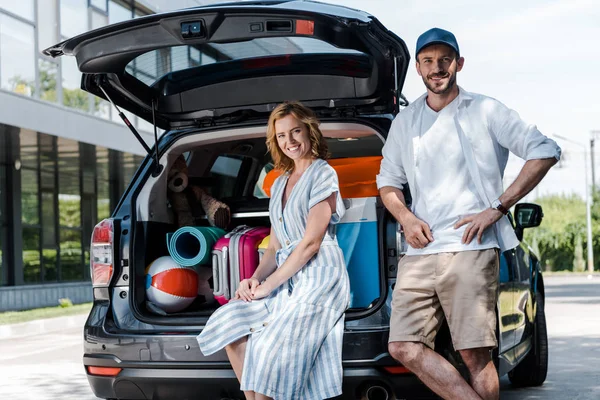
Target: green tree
74,98
561,239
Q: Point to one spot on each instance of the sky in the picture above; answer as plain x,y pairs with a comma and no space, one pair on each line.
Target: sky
539,57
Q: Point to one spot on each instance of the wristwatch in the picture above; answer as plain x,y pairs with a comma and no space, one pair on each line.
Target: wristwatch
498,206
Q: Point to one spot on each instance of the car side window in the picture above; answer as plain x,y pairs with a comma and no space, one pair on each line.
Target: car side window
224,172
259,192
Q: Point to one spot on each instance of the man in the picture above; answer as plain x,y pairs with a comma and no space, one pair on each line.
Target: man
451,147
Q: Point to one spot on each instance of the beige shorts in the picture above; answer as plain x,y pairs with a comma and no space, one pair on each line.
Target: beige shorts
462,287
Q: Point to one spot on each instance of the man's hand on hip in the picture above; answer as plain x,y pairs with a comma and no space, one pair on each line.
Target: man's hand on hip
478,224
416,231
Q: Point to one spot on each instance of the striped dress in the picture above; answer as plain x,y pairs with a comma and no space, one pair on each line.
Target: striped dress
294,348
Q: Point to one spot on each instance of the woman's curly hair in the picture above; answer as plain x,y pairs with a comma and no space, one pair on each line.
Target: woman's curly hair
318,144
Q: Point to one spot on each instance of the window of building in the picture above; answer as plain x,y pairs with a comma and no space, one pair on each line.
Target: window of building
47,23
22,8
51,208
48,208
69,188
131,162
66,188
48,76
99,20
144,125
17,56
30,206
2,217
100,4
139,12
101,108
87,157
69,210
72,95
73,17
118,12
103,208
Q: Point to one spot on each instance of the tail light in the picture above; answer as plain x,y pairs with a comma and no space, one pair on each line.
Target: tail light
104,371
101,253
397,370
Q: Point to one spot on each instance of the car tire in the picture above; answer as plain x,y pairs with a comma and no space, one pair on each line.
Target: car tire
533,369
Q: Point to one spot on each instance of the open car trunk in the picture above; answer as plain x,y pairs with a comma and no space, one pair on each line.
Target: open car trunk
213,69
231,61
238,171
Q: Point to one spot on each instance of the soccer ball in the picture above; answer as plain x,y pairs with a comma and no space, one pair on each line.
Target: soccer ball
170,286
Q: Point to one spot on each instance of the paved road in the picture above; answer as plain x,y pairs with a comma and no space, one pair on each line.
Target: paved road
49,367
573,317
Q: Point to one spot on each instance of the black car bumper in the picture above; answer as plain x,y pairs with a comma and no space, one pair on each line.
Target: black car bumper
184,384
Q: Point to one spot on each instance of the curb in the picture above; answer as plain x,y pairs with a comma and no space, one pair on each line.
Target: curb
42,326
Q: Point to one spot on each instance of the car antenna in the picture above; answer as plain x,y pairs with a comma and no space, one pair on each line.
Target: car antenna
137,134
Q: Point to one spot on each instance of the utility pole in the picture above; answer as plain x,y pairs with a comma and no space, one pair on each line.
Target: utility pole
592,156
592,139
588,204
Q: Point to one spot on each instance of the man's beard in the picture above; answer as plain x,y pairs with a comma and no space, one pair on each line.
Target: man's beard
444,89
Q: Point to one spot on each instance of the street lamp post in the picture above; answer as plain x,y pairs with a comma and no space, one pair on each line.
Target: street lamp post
588,206
592,139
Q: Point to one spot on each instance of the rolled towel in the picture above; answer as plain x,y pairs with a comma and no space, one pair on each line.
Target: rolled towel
192,245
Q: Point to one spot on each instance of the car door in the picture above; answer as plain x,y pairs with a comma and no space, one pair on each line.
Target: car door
506,301
522,294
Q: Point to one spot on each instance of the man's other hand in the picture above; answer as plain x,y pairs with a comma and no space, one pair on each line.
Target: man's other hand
416,231
478,224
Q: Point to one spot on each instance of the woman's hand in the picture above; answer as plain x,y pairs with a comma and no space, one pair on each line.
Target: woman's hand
246,288
262,291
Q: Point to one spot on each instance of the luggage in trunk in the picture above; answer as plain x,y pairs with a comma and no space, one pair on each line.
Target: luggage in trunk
357,236
234,258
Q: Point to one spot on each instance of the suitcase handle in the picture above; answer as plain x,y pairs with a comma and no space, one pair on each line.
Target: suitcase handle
237,229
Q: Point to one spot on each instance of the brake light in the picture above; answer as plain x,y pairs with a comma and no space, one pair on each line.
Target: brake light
104,371
266,62
101,253
304,27
397,370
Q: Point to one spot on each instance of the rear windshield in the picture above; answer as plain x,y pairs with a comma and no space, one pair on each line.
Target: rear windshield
151,66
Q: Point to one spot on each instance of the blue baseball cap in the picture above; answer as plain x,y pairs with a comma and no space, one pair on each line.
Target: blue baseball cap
437,36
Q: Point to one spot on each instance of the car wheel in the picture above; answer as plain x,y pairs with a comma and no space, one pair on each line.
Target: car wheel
533,369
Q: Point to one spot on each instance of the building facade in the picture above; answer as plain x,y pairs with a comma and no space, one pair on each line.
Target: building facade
65,156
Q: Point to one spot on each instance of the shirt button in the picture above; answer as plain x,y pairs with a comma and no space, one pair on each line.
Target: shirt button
265,323
251,329
287,242
280,219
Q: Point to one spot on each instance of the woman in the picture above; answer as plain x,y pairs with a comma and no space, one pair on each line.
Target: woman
283,333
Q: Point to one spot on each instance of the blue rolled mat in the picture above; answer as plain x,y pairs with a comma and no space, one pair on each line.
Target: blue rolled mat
192,245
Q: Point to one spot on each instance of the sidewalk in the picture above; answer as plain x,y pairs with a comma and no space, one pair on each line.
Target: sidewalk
42,326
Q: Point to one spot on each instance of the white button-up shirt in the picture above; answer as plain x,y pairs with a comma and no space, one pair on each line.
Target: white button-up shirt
487,130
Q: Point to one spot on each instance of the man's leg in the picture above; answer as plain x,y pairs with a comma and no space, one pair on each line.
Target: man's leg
467,288
433,370
484,377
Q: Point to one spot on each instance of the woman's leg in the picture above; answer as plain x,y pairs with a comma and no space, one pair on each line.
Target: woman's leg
236,352
260,396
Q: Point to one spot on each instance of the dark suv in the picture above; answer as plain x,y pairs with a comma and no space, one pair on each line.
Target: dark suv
208,77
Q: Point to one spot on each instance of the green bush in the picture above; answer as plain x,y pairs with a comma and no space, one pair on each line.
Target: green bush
64,303
561,239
